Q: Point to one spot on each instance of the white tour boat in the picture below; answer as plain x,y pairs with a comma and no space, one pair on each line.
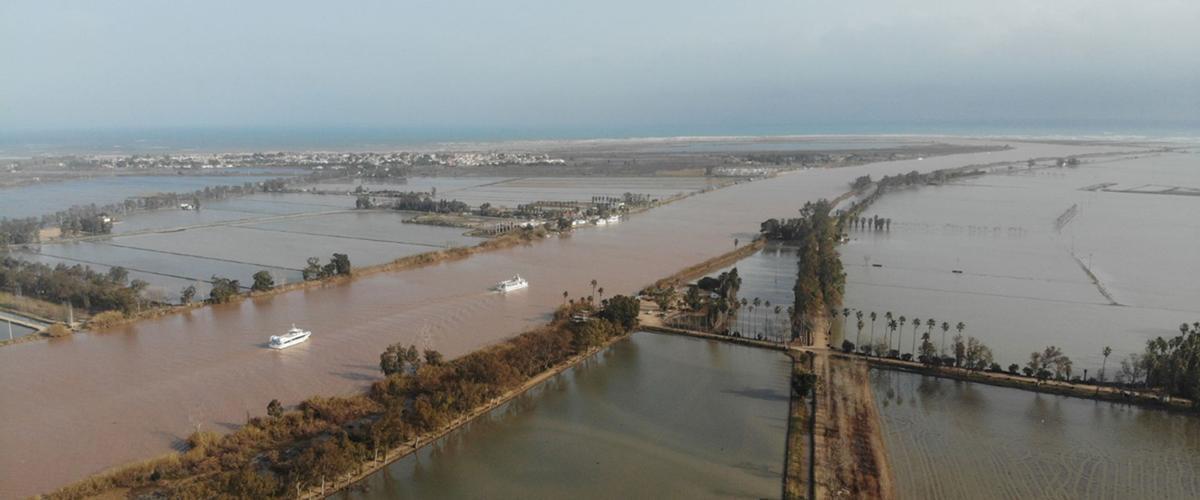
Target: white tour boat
516,283
291,338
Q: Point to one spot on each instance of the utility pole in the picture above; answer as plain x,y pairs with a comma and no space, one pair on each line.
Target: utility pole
9,329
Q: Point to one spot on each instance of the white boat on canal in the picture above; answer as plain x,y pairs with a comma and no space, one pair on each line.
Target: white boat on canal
292,337
515,283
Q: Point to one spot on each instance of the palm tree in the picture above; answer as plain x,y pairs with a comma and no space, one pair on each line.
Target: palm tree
873,316
892,327
778,309
744,304
791,310
845,314
1107,350
565,295
945,328
593,286
859,315
930,323
903,320
887,317
601,290
916,324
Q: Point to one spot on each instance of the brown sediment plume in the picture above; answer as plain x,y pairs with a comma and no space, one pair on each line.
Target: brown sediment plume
851,461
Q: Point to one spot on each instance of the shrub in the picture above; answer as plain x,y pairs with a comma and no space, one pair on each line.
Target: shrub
58,330
106,319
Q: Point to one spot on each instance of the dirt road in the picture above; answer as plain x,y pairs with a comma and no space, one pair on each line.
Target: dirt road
851,461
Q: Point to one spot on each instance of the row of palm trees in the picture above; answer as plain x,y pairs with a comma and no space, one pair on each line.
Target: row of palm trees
770,317
589,299
895,324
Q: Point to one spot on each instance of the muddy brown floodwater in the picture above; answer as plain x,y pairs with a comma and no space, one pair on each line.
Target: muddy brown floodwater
77,406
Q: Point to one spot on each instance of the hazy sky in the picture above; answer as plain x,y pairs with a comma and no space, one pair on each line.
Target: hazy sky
611,63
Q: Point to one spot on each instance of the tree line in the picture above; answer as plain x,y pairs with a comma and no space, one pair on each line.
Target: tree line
965,352
79,285
287,452
425,202
820,280
1170,366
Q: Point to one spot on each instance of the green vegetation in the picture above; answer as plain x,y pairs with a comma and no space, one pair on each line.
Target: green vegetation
425,202
709,303
338,265
325,439
263,281
223,290
1172,366
187,294
1050,362
78,285
820,281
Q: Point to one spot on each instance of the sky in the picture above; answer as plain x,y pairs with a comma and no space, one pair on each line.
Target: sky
595,65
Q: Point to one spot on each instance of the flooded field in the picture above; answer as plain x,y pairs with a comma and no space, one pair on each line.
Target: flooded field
768,275
654,416
949,439
50,197
173,249
510,192
147,385
11,331
229,241
1023,252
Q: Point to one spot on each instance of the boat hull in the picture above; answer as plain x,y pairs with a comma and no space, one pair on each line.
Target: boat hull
290,342
511,288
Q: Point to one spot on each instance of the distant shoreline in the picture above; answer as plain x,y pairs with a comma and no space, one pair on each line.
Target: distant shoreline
16,145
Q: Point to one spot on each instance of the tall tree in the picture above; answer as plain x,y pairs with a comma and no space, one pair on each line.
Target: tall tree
1104,366
945,328
859,315
873,316
263,281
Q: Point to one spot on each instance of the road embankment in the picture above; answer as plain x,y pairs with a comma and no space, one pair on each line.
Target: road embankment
1057,387
850,459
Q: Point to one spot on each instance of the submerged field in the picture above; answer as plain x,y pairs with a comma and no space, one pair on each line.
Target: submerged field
949,439
511,191
49,197
655,416
173,249
1022,251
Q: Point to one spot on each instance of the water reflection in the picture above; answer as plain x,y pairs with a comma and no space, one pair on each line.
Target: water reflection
965,440
643,419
